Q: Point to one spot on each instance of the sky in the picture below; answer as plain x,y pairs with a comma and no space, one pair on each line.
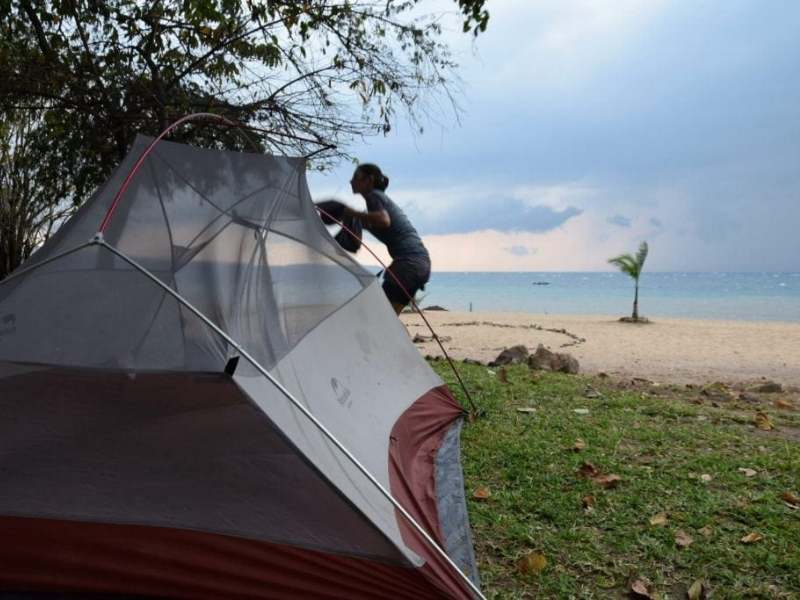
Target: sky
589,126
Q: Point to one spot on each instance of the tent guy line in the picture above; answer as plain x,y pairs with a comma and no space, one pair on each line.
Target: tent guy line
413,303
99,241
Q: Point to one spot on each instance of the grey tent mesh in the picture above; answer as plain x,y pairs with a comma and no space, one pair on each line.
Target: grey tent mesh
235,234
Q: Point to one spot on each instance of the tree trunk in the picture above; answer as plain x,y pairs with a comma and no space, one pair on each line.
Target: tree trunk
636,302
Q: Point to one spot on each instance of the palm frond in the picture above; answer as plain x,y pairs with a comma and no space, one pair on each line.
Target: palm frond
626,263
641,255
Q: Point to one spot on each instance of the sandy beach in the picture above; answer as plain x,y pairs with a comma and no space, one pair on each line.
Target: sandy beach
666,350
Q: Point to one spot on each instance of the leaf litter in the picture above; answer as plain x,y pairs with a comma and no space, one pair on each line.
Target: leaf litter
532,563
592,473
752,538
482,493
683,539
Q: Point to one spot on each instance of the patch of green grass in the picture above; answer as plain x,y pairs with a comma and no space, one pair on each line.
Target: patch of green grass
660,445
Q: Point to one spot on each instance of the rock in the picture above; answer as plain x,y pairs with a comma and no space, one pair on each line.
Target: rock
750,398
511,356
769,387
472,361
435,307
422,339
717,392
545,360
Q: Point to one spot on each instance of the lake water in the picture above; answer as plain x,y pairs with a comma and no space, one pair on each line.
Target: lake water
738,296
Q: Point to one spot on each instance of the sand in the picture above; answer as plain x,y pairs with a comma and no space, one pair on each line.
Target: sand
666,350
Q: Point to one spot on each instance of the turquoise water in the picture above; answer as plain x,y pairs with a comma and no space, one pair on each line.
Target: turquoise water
737,296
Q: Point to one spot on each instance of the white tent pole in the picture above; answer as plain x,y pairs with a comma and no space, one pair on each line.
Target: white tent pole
19,272
98,239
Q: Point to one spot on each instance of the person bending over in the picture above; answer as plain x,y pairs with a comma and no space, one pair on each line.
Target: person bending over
411,263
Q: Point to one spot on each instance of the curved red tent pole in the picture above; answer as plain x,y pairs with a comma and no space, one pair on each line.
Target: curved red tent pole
193,117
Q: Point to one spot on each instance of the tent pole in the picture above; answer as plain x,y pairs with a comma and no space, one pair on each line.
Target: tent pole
98,240
19,272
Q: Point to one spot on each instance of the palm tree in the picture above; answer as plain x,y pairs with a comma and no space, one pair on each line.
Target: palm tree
632,265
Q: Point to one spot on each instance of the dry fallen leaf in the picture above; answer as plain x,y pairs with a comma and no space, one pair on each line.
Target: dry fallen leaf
683,539
706,477
607,481
696,591
588,502
578,445
640,589
783,404
752,538
482,493
790,499
763,422
659,520
705,531
589,471
532,563
747,472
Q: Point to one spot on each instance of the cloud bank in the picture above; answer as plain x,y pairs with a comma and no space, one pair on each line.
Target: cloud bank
591,126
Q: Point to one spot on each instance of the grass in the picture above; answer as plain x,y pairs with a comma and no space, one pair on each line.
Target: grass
660,442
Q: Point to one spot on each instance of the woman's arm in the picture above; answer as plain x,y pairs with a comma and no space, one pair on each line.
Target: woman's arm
374,219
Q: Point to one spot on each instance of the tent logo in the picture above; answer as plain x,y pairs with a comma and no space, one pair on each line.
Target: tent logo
341,392
8,324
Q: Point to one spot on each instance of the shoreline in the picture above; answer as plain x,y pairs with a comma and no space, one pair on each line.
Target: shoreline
666,350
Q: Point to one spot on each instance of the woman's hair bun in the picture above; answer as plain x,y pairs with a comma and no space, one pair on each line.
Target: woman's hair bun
379,180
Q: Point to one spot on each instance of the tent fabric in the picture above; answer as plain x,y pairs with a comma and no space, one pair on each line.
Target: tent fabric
143,457
451,503
116,417
57,555
415,441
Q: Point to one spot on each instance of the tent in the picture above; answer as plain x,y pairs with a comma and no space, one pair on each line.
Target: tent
203,396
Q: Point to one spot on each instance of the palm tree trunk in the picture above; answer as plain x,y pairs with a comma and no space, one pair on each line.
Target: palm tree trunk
636,301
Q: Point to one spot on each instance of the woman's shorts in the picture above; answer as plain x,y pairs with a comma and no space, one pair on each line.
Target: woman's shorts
413,274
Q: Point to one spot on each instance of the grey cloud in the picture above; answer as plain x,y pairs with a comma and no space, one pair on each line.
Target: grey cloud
619,220
520,250
712,140
499,214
